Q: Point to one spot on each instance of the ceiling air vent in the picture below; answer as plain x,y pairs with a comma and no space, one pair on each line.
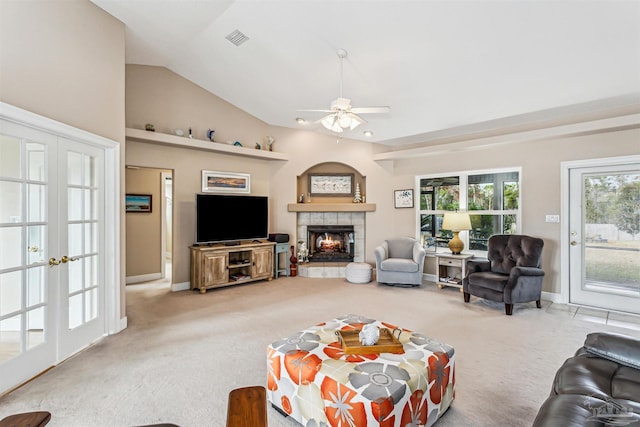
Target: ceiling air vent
237,38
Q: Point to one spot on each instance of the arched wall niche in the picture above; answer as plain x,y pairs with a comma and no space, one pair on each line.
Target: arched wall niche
329,168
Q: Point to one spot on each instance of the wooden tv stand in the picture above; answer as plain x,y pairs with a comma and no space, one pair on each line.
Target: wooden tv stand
220,265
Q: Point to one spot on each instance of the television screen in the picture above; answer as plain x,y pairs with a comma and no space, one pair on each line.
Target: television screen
226,218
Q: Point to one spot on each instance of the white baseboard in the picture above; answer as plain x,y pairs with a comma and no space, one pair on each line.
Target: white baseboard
123,323
553,297
184,286
143,278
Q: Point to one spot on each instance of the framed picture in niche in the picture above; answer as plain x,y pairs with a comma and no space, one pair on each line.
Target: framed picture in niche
137,203
331,184
403,198
225,182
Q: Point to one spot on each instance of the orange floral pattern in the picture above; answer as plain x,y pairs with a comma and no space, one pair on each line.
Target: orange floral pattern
438,376
340,408
273,369
415,411
310,378
302,366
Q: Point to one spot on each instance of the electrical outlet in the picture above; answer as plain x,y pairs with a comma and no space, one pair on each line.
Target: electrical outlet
552,218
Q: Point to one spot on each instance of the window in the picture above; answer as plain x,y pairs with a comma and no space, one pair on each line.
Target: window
492,199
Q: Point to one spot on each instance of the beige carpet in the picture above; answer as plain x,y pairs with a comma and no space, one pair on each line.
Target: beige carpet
183,352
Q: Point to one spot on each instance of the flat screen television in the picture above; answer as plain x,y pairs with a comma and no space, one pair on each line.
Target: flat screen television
231,218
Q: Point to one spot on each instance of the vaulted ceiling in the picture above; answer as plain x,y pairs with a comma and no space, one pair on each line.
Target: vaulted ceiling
444,67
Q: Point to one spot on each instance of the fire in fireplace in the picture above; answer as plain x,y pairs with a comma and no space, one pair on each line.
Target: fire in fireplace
330,243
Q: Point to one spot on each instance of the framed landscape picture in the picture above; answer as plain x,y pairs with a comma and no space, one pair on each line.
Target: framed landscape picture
225,182
137,203
331,184
403,198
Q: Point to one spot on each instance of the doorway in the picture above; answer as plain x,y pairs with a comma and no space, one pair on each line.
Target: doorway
603,242
150,232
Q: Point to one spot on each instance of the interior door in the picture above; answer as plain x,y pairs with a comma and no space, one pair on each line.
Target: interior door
51,250
604,243
28,234
82,311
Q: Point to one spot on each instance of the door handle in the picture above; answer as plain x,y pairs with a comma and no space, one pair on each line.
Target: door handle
573,243
53,261
66,259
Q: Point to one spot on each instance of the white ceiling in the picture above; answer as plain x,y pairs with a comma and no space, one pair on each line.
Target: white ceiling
444,67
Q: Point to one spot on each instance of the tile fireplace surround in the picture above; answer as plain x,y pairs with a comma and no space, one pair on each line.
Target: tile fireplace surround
330,269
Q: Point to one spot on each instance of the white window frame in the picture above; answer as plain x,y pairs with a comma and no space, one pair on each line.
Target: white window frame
463,202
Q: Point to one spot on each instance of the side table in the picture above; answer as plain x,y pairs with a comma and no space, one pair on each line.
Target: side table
277,270
451,269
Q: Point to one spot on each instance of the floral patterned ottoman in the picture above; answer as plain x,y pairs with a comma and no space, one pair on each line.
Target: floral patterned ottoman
313,381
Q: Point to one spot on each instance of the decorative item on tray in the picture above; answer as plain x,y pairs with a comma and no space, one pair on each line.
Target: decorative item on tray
369,334
387,343
210,133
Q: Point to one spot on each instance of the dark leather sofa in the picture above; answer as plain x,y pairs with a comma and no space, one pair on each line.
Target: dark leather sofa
598,386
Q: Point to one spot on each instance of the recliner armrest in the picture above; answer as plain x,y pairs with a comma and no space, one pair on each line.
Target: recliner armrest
525,271
475,266
622,349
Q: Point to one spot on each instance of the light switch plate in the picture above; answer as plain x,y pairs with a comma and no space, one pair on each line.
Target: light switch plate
552,218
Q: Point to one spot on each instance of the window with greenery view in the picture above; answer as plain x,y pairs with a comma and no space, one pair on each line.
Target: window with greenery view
491,198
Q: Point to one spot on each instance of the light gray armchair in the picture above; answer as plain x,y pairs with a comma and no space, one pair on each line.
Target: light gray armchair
400,261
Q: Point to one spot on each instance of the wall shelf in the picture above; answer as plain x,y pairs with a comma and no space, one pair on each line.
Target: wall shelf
200,144
331,207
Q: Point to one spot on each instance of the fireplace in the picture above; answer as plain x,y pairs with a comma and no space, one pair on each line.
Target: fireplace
330,243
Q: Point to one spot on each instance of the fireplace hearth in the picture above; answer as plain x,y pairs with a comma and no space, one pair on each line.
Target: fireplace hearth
330,243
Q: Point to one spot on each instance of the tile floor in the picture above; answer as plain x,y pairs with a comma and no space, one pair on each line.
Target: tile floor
629,321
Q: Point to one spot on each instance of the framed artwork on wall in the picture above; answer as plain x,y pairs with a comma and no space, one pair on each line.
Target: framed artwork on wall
331,184
137,203
225,182
403,198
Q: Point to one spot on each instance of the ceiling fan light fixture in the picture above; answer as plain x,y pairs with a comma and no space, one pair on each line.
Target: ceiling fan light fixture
331,122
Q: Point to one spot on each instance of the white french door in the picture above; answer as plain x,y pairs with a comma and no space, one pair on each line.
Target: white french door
52,251
604,234
28,341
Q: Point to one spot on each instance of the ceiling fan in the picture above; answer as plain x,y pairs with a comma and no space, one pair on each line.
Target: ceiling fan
341,115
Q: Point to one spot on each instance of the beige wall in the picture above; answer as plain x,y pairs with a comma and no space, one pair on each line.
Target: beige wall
539,160
144,229
541,185
65,60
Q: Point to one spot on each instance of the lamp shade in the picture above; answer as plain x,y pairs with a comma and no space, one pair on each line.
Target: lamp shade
456,221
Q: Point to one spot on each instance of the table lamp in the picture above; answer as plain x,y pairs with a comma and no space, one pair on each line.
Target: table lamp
456,222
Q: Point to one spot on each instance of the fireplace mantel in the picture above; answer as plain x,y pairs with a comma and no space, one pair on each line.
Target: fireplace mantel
331,207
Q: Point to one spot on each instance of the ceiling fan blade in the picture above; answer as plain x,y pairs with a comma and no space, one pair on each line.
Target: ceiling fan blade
371,110
316,111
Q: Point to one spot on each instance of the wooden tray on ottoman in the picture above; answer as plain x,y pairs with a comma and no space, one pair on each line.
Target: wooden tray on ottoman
387,343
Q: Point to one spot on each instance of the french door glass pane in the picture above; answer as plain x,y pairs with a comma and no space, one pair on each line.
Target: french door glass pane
75,205
10,247
10,292
10,338
35,327
35,162
74,168
75,239
10,202
611,226
75,311
35,285
91,271
36,208
75,276
36,244
9,157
